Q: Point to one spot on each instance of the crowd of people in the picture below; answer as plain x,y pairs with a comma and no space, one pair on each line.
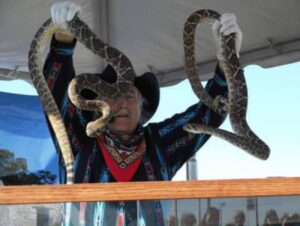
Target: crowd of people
212,218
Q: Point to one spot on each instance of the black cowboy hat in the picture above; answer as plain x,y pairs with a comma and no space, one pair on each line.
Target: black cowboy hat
148,86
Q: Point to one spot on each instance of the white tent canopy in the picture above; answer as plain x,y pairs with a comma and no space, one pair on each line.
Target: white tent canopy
150,34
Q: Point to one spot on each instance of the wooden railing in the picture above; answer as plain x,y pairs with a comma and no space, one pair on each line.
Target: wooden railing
149,190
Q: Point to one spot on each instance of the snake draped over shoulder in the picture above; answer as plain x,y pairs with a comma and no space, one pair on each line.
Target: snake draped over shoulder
101,88
236,104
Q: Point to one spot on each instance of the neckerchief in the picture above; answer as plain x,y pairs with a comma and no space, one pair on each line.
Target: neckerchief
122,159
115,140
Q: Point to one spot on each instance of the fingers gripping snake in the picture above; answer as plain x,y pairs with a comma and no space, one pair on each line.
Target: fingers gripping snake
236,105
123,83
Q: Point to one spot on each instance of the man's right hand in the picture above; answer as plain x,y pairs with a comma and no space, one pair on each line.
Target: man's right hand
61,13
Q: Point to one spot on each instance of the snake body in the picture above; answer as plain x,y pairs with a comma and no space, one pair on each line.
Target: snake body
101,88
236,105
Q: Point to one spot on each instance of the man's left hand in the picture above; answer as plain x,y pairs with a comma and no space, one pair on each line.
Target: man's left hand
226,26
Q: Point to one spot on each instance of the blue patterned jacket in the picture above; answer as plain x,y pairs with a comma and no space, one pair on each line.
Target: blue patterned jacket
168,146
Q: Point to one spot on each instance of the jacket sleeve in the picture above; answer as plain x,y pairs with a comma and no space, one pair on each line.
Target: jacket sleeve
174,144
59,71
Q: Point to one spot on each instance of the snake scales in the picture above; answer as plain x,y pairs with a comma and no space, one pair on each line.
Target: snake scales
237,98
123,83
236,105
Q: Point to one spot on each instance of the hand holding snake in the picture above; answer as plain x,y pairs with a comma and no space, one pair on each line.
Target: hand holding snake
101,88
236,105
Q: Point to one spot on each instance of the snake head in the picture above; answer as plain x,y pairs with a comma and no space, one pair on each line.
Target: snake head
221,104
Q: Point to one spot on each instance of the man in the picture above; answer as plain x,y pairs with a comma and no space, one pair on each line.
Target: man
156,152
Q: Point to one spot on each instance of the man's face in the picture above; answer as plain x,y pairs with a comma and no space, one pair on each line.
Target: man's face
126,111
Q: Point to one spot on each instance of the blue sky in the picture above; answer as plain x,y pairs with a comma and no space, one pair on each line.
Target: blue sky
273,114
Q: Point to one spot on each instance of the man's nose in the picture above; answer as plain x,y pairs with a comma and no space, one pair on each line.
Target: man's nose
122,99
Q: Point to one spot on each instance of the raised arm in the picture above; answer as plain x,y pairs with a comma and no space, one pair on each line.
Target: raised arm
170,140
58,68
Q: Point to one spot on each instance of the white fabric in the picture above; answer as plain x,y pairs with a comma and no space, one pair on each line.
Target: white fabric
150,33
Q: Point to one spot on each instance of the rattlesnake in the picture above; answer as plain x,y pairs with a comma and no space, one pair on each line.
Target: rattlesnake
236,105
124,82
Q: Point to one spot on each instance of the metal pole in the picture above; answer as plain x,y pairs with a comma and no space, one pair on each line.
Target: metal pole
221,213
176,213
192,169
192,174
256,211
199,206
